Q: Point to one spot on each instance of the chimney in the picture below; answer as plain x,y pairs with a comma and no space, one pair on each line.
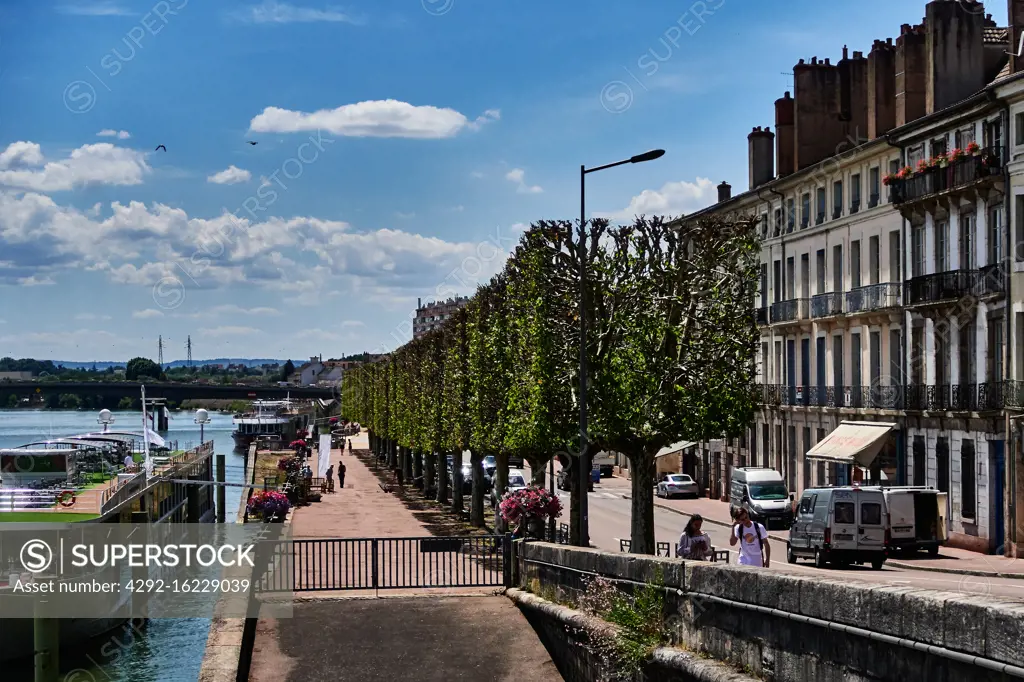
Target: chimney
910,74
724,192
853,94
784,139
954,52
419,303
818,128
881,89
1015,13
761,156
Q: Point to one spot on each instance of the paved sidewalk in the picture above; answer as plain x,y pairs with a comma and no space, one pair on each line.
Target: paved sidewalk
950,559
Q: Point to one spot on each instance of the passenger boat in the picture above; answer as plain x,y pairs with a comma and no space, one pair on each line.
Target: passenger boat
269,418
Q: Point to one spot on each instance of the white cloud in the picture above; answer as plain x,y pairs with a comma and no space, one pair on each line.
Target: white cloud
230,176
147,314
119,134
36,281
517,176
91,317
220,332
91,164
673,199
271,12
376,118
458,209
232,309
404,216
353,323
96,8
488,116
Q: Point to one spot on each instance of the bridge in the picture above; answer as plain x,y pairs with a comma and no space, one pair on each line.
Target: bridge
169,391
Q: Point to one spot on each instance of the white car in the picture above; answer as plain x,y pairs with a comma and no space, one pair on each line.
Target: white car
677,484
516,481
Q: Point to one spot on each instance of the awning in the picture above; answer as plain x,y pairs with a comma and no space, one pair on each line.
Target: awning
853,443
675,448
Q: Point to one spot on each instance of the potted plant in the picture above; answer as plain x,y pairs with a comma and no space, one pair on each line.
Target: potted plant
269,506
904,173
973,148
955,155
923,165
528,510
889,179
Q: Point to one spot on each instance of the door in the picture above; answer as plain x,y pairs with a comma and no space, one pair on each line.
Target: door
802,526
998,464
844,520
820,350
871,522
901,505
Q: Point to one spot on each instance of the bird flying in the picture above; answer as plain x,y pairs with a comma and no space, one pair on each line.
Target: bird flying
159,147
253,143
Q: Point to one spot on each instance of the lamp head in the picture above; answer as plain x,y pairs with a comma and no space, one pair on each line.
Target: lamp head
648,156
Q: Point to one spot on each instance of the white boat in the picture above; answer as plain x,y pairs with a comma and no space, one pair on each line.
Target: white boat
273,418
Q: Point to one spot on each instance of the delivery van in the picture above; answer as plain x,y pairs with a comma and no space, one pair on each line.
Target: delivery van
840,526
763,494
605,462
916,518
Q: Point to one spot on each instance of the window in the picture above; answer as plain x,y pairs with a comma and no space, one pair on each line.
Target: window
968,481
845,513
778,221
837,199
993,135
764,285
917,250
995,235
777,289
968,258
821,205
870,514
855,193
939,146
1018,222
996,343
1018,127
855,264
764,225
967,355
942,464
807,504
791,214
941,246
805,209
820,265
895,257
873,267
807,465
837,268
894,167
874,187
915,154
965,136
920,461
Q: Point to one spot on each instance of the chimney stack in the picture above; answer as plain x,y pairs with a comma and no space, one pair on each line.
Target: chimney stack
784,139
910,74
818,128
1015,13
881,89
955,52
724,192
761,156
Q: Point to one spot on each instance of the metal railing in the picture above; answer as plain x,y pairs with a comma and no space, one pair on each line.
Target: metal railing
991,279
761,316
827,305
664,549
874,297
941,286
985,164
338,564
979,397
789,311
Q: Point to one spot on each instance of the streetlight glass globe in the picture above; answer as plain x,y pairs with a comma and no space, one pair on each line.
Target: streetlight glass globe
202,416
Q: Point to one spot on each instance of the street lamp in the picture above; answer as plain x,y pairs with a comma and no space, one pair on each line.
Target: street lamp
105,418
202,418
584,474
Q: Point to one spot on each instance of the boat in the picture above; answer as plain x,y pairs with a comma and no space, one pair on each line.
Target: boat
277,419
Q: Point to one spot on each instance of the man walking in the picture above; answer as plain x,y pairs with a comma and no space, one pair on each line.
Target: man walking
341,475
754,551
330,478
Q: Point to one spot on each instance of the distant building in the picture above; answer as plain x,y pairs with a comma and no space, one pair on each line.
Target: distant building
16,376
320,371
431,315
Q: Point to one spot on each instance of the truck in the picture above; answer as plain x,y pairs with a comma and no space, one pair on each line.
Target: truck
605,461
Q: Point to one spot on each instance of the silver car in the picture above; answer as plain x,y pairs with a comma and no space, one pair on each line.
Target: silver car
678,484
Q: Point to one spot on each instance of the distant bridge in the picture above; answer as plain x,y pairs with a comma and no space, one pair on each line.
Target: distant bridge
169,391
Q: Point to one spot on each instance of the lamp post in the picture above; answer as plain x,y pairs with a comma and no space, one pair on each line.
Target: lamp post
583,479
202,418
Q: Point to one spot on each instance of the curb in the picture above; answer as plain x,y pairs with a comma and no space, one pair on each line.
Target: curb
897,564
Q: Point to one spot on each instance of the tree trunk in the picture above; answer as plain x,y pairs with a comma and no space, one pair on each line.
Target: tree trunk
476,511
574,500
442,477
499,489
642,467
392,449
538,471
457,482
407,464
417,470
429,482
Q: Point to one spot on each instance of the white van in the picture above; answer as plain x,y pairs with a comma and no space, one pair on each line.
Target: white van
763,494
917,518
840,526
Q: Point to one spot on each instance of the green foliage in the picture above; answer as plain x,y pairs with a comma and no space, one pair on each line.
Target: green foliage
138,368
127,403
287,370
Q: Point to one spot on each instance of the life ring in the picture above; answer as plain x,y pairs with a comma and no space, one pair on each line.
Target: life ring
66,499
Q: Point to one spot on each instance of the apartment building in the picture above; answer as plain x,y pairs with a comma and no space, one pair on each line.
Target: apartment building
432,314
890,302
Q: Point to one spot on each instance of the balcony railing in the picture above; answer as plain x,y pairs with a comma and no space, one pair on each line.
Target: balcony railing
872,201
941,286
821,218
874,297
986,163
827,305
991,280
936,398
837,212
761,316
805,221
854,206
789,311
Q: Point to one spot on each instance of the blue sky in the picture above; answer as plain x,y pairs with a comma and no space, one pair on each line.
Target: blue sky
402,144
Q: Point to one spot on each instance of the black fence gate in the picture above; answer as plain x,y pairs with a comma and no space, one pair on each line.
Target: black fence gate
386,563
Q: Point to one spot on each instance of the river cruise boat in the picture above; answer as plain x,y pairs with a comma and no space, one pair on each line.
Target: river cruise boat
275,419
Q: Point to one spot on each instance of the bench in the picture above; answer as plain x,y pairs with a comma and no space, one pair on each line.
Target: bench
664,549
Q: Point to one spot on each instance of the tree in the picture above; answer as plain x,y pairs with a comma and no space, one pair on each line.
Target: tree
127,403
143,367
12,401
287,370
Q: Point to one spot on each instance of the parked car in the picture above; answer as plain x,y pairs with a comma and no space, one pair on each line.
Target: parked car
840,526
763,494
675,485
516,481
562,481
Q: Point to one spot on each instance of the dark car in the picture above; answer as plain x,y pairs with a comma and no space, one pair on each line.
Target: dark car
562,481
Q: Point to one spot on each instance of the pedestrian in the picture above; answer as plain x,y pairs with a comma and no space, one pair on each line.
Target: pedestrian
754,551
693,542
341,475
129,462
350,447
330,478
400,476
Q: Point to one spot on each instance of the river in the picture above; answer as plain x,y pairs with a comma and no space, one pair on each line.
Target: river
165,650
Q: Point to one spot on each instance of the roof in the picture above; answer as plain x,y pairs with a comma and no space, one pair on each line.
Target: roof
995,34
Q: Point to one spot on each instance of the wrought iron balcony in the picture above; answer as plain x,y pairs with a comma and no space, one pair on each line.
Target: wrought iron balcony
960,397
872,201
986,164
805,221
914,398
991,280
854,206
857,397
821,218
941,286
827,305
761,316
789,311
874,297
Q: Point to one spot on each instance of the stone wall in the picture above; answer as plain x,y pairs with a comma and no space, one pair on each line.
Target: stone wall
785,627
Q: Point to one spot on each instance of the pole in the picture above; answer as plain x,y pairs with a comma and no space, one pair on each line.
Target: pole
584,474
221,490
551,488
46,636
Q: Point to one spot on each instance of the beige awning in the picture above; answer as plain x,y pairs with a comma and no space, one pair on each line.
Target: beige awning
853,443
675,448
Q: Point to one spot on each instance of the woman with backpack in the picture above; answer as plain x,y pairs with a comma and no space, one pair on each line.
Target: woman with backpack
754,551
